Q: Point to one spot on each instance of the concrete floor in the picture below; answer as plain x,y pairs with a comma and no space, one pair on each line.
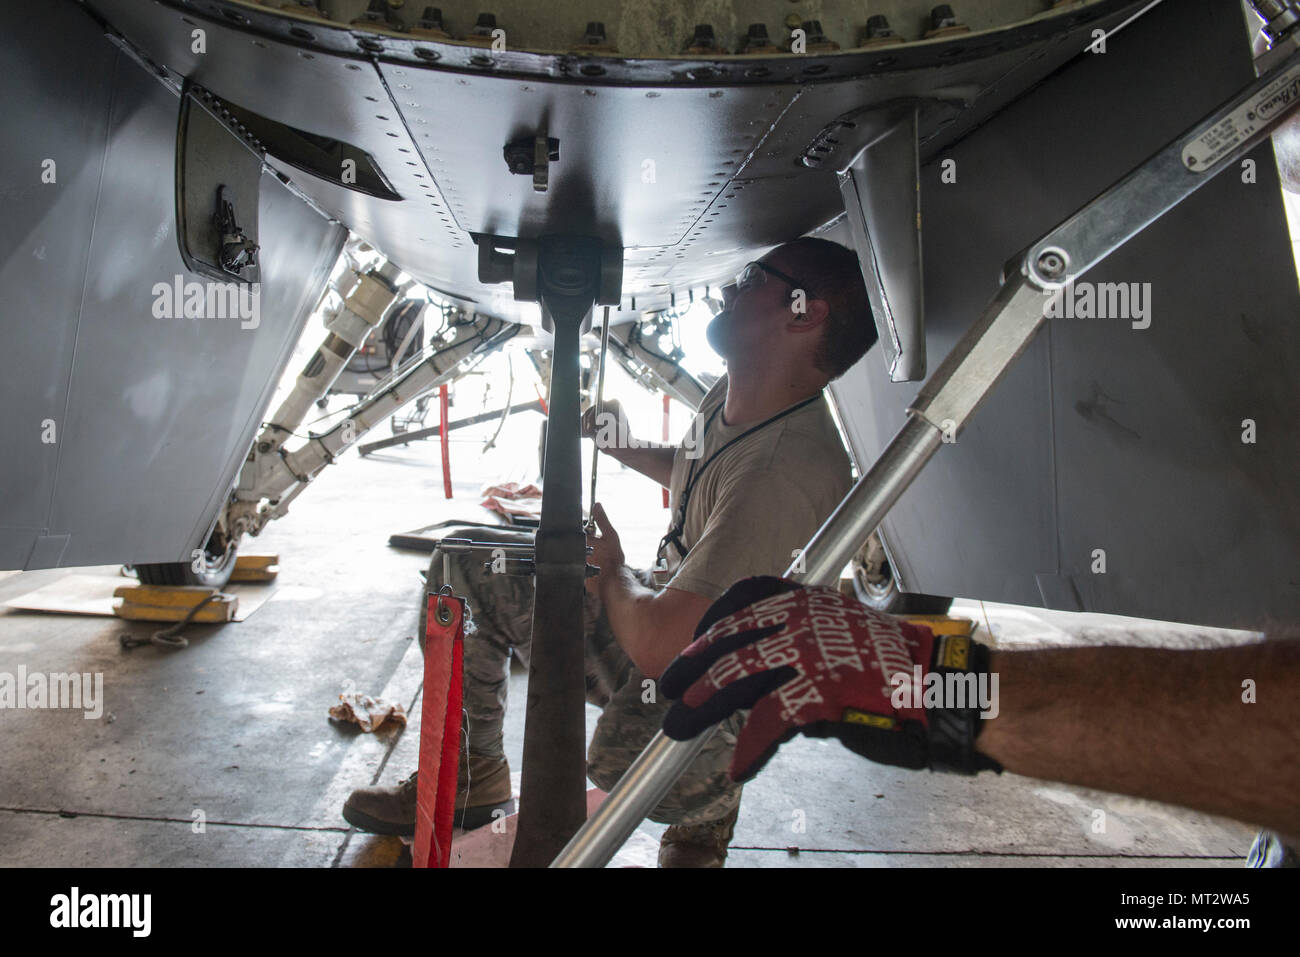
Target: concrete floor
233,732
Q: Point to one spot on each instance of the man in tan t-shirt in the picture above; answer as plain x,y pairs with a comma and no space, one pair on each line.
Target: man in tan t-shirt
761,469
753,493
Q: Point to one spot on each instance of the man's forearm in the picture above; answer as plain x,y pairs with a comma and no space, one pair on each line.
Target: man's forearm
626,603
653,461
652,627
1173,726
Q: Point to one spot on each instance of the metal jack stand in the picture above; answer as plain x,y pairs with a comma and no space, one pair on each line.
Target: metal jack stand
978,361
567,275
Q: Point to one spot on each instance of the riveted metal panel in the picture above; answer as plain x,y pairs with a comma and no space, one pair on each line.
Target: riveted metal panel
43,262
724,137
1105,436
153,414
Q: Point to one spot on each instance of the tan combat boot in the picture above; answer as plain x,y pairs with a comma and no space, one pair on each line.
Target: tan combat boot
697,845
482,788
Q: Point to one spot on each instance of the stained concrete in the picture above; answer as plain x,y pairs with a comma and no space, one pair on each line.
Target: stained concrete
232,732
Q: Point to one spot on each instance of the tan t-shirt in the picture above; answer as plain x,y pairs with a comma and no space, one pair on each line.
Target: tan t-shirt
758,501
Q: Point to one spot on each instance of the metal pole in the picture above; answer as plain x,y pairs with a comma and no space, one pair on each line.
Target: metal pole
555,731
642,786
868,502
600,403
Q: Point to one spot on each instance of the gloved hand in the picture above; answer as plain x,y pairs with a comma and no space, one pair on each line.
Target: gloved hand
816,661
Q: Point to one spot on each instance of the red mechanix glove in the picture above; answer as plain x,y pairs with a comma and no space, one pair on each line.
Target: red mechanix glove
816,661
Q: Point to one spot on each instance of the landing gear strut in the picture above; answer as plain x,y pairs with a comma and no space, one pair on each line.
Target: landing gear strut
568,275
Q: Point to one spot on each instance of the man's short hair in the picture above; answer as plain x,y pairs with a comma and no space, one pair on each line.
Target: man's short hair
833,273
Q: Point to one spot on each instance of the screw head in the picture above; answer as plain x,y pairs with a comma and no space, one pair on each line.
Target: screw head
1051,263
942,16
878,26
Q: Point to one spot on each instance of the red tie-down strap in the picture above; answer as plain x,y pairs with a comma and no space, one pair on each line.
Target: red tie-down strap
444,665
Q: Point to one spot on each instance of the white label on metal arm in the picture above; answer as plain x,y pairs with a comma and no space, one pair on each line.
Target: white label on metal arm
1205,150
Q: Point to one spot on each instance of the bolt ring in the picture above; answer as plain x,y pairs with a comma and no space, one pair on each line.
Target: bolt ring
1052,263
444,608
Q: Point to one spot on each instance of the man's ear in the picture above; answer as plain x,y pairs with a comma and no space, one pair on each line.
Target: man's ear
813,316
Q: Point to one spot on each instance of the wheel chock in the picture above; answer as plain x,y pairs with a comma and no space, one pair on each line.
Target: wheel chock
942,624
174,603
256,568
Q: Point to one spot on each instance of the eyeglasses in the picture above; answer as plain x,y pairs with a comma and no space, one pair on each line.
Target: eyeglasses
755,274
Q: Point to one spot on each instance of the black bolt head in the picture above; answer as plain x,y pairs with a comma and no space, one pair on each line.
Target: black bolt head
942,16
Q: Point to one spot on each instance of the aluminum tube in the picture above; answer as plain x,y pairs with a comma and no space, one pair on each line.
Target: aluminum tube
641,787
652,775
868,502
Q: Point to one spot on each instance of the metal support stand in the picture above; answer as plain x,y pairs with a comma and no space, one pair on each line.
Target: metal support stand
970,372
568,275
555,733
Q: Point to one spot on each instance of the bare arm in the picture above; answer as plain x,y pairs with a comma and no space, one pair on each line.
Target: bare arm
612,436
651,626
1174,726
652,461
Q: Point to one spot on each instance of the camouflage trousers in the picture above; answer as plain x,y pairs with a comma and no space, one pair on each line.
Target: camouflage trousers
501,608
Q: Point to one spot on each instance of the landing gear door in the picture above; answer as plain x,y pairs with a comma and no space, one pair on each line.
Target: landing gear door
218,169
